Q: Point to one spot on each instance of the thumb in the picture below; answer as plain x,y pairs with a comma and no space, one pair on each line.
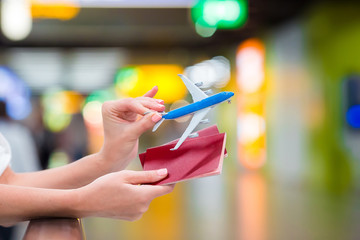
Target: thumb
140,177
144,124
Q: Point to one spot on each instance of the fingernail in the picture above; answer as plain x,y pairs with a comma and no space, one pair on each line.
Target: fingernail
162,172
161,106
160,101
156,117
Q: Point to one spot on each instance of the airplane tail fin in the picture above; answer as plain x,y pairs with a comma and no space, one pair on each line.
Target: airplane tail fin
158,124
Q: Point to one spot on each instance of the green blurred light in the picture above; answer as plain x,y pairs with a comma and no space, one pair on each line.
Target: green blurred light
100,96
56,122
54,117
220,14
126,79
58,159
204,31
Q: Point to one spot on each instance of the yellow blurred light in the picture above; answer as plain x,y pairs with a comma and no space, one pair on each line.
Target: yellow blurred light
58,108
58,9
56,122
65,102
144,77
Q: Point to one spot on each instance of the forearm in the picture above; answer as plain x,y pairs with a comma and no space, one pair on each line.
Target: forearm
23,203
76,174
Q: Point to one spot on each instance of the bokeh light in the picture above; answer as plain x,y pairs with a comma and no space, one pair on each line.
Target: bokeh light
211,73
58,158
15,93
92,108
251,126
204,31
92,113
16,21
250,65
59,105
126,79
137,80
56,121
222,14
18,107
57,9
353,116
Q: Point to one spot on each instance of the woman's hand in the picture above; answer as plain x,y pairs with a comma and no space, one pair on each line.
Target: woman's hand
120,195
124,121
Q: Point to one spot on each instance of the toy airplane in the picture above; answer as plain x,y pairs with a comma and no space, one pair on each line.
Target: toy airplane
202,103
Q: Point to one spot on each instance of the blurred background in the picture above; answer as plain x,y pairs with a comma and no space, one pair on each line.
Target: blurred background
293,170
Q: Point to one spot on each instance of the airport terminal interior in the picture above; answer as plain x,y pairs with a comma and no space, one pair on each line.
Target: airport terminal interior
292,168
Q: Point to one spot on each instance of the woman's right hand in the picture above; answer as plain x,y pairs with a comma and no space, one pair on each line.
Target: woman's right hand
120,194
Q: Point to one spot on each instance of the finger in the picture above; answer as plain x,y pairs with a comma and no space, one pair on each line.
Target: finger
143,107
143,124
125,105
141,177
155,191
152,105
151,93
151,100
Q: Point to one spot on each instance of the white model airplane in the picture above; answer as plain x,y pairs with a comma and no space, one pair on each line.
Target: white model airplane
202,103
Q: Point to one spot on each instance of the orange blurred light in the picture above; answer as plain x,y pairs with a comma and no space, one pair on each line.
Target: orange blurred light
251,99
251,208
72,101
250,66
57,9
93,122
252,157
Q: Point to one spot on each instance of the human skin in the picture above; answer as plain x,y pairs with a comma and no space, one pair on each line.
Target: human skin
96,185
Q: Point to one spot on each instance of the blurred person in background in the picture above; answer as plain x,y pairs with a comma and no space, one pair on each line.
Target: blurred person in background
24,154
24,157
45,139
96,185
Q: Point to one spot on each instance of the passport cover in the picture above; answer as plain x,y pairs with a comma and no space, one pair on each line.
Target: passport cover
197,157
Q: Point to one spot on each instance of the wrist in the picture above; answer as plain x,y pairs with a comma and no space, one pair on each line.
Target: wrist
105,159
51,203
75,202
113,157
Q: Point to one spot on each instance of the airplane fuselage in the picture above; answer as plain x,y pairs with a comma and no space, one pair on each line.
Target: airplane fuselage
196,106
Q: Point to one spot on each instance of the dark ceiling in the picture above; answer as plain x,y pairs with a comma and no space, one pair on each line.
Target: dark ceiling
151,28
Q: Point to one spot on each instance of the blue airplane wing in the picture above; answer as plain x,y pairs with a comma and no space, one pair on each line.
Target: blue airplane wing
196,93
198,116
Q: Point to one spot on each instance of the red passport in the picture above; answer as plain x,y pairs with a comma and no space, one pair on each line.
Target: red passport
197,157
